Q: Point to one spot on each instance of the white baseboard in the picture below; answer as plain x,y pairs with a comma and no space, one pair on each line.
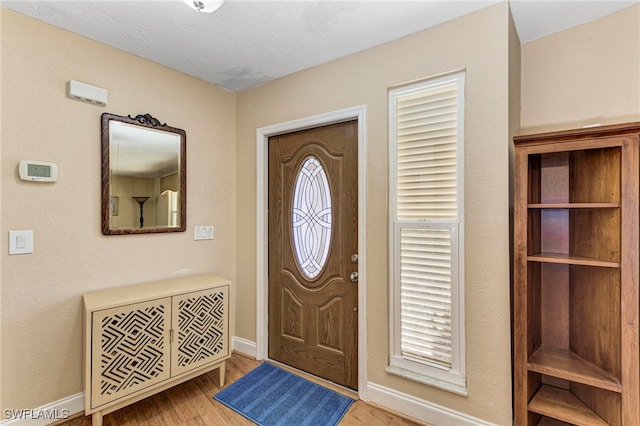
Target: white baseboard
47,414
247,347
391,399
74,404
416,408
420,409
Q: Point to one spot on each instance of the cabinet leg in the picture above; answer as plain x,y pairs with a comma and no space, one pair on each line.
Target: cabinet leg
96,418
221,371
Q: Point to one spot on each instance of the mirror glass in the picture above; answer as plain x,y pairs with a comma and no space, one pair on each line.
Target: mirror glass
143,176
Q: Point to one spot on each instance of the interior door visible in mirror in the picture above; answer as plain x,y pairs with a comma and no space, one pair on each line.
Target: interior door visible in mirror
143,176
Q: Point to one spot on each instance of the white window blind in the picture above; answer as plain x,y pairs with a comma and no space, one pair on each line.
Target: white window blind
425,294
426,202
427,154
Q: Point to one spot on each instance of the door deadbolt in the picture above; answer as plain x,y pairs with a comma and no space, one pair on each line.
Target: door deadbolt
354,258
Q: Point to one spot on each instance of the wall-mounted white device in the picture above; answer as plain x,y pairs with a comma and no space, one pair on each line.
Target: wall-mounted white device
20,242
87,93
38,171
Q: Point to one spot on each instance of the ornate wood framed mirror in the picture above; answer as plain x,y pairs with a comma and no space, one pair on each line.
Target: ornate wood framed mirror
144,176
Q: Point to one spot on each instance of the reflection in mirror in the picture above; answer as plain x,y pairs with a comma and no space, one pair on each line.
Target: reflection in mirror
143,176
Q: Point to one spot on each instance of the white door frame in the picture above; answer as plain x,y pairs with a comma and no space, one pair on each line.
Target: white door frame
262,228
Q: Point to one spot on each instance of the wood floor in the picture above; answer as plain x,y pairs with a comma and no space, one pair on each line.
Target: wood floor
192,404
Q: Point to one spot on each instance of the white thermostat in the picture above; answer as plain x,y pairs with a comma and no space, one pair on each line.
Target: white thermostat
38,171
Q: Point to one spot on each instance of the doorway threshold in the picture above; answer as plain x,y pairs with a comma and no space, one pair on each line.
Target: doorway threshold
318,380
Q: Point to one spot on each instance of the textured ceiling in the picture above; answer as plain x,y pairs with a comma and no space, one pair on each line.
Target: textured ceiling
246,43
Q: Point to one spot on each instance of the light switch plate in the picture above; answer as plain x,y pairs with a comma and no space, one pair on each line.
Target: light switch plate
20,242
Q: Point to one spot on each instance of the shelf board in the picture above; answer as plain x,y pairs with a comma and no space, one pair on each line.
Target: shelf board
546,421
573,205
568,259
562,405
569,366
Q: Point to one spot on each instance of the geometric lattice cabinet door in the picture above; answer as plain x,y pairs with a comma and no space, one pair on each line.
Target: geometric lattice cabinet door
201,322
133,349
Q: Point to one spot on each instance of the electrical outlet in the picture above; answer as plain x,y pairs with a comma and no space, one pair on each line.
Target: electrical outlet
203,233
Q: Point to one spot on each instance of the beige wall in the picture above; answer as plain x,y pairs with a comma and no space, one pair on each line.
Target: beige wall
479,44
515,72
1,204
588,74
41,292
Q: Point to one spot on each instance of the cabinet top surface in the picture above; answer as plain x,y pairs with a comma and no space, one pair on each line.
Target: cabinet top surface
103,299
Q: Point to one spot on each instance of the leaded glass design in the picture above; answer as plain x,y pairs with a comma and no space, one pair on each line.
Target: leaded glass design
311,217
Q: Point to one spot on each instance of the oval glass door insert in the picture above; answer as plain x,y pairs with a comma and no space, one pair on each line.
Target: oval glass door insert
311,218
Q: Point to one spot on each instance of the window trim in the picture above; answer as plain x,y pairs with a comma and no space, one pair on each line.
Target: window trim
451,379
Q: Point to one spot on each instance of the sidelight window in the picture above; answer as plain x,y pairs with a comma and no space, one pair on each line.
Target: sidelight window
426,122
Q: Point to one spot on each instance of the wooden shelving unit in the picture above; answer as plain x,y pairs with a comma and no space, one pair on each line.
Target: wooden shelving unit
576,277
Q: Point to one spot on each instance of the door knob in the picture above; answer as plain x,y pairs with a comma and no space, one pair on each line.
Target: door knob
354,277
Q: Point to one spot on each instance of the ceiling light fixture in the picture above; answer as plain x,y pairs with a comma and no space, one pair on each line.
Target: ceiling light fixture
207,6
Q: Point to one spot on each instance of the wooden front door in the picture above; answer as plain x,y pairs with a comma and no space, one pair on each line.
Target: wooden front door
313,242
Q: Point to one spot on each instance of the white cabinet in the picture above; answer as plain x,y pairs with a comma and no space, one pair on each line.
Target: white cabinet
142,339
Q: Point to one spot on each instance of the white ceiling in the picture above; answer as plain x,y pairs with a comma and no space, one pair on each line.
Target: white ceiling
249,42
